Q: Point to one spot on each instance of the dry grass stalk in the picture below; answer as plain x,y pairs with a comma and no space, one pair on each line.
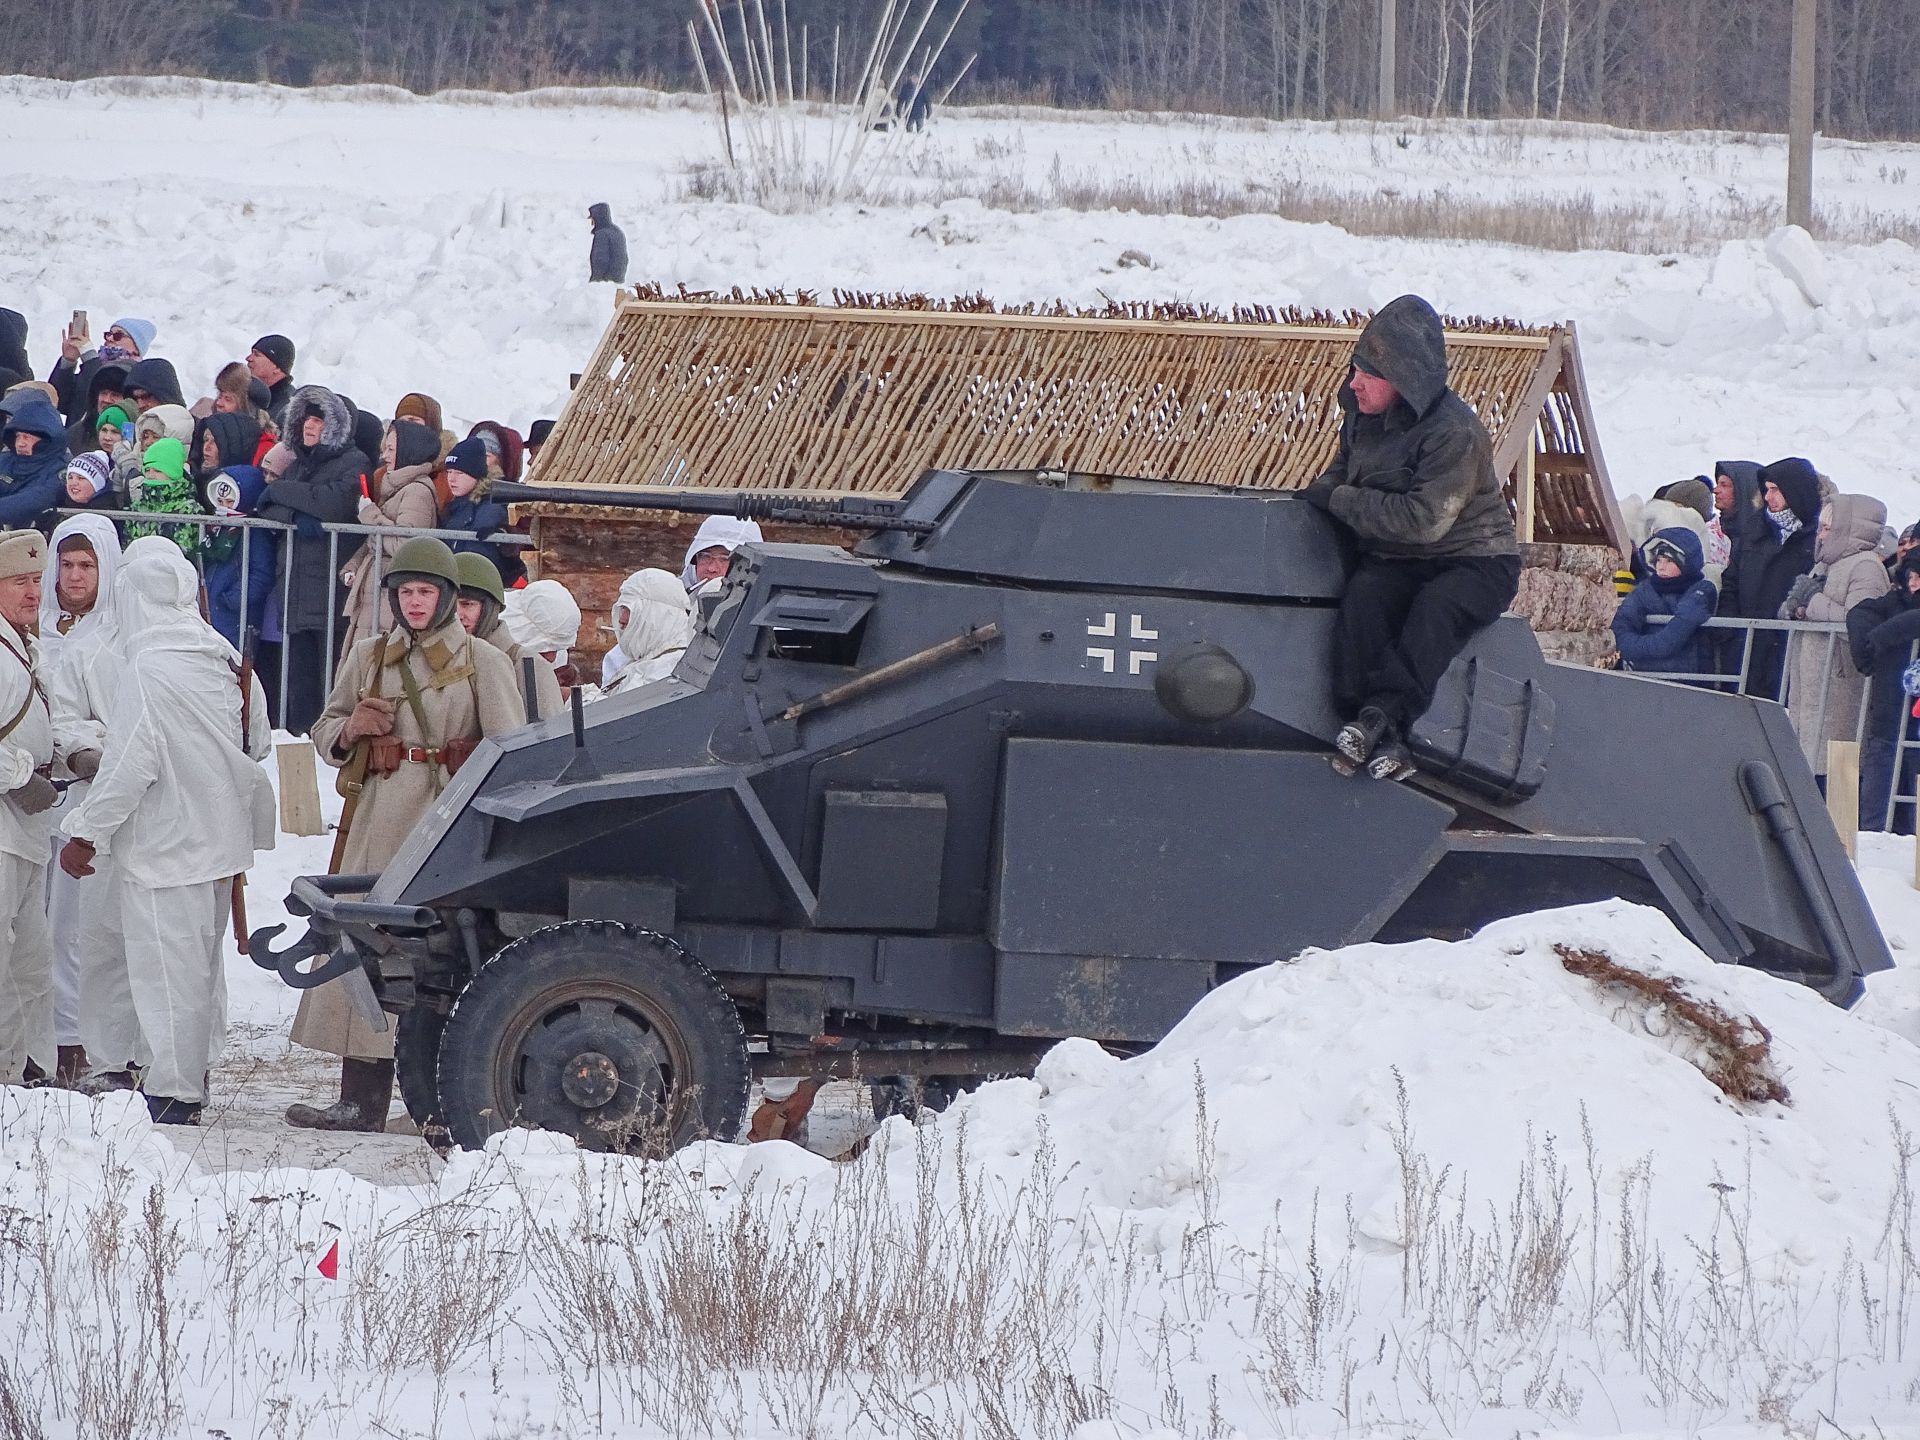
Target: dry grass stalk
1739,1050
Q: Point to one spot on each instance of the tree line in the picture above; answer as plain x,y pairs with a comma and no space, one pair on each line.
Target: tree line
1656,63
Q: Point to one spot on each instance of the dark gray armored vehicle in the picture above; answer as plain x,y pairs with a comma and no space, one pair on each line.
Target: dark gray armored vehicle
1042,756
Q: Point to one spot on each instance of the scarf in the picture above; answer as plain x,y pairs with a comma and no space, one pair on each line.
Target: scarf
1785,523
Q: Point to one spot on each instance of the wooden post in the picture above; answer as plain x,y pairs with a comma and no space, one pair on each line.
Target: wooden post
1800,76
299,790
1389,34
1843,791
1523,497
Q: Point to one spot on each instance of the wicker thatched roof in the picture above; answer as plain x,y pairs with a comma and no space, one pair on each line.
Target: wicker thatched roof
775,392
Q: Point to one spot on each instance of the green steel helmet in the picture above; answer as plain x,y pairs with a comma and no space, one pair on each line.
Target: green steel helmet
423,558
479,578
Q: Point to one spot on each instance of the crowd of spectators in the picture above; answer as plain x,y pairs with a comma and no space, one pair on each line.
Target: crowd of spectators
110,428
1780,543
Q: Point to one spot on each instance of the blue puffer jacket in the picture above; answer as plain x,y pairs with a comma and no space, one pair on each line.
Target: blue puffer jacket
1679,647
32,485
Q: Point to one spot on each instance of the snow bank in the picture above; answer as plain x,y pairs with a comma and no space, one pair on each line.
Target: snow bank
1420,1184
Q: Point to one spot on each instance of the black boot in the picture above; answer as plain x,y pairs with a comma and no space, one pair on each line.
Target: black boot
1358,737
1391,759
167,1111
366,1095
70,1063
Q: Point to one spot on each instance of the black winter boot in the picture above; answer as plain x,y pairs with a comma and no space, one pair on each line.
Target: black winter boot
1391,759
166,1111
366,1095
1358,737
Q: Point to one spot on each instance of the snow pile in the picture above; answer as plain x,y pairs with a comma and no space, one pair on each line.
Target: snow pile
1430,1185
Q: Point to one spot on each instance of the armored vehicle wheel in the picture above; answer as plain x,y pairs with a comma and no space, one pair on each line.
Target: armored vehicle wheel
416,1060
610,1034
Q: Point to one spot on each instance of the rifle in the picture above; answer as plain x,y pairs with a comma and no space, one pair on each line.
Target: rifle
529,688
250,642
353,779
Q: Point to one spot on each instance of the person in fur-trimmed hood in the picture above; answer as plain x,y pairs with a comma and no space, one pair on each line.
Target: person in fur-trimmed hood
321,485
1413,481
1825,692
400,494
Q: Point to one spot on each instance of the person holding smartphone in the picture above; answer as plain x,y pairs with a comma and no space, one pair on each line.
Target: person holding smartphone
125,341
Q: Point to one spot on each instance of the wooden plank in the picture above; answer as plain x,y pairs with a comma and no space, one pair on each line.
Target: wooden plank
1523,496
299,789
1843,791
836,315
1575,371
1522,434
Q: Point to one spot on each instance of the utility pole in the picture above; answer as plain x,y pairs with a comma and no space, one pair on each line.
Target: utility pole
1800,117
1389,32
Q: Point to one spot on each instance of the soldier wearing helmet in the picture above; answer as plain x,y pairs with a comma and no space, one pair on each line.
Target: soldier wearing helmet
482,602
407,709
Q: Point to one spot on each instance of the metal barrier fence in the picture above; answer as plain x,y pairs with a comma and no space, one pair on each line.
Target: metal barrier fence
337,591
1737,676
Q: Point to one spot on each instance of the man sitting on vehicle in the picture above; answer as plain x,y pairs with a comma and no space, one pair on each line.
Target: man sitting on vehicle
1414,482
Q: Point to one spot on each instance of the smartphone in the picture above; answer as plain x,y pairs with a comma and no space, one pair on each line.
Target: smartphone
77,327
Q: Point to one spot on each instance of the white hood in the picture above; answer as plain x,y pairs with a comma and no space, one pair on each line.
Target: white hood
722,530
652,616
156,603
544,617
100,534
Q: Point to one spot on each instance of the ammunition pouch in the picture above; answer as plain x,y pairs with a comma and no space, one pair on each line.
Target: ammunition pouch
384,754
454,754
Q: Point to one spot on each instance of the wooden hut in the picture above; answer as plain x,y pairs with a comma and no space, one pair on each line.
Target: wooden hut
768,392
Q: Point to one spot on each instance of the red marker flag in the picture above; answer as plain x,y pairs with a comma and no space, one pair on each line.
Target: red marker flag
329,1265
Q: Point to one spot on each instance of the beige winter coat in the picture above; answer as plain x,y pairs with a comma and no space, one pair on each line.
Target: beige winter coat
404,498
467,691
1825,691
546,686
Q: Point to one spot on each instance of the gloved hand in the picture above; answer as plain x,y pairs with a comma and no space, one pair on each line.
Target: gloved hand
1320,494
76,858
372,716
85,764
308,527
36,796
1794,607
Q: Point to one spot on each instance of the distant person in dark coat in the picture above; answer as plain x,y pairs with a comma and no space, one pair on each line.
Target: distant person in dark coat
13,343
153,382
271,363
322,485
607,257
1676,586
1880,635
1768,555
1413,480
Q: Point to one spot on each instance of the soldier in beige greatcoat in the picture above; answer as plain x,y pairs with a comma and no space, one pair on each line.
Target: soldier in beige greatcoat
407,708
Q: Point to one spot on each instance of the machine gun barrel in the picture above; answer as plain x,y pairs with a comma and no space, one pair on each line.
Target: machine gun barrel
850,513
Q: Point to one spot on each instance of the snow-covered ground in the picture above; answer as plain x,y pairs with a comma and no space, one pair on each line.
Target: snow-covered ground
441,245
1389,1191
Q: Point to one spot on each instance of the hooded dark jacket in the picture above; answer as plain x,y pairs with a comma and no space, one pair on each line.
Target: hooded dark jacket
321,486
607,257
84,433
1416,483
1880,636
31,486
156,377
236,438
1762,567
1680,646
13,343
